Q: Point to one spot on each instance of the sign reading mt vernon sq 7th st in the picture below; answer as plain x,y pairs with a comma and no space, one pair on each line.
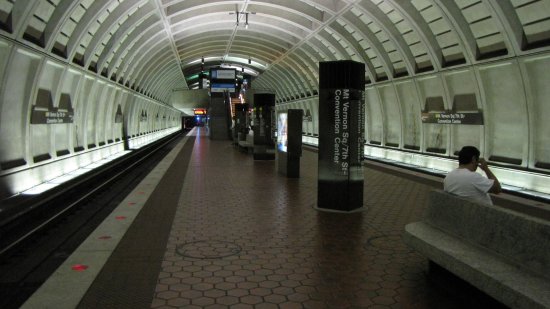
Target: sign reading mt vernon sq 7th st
342,130
450,117
341,135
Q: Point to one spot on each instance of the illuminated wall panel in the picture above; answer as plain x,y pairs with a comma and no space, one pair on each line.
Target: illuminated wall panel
538,93
505,113
63,133
432,97
82,105
115,129
392,116
46,98
104,94
91,113
14,108
374,117
411,110
460,83
108,114
133,117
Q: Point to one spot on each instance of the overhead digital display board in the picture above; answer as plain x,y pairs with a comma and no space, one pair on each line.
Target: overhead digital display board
221,87
222,80
223,74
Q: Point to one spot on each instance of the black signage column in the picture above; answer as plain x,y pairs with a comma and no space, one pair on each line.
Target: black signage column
264,110
241,123
341,135
218,113
289,142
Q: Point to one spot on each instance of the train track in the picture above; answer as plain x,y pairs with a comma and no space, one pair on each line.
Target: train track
39,239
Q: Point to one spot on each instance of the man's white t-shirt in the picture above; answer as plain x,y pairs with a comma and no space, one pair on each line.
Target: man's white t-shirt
468,184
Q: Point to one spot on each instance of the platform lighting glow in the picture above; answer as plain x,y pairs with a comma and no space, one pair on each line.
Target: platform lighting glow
79,172
63,178
40,188
442,166
52,183
138,142
95,165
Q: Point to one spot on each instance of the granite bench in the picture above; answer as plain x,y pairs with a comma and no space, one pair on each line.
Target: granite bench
501,252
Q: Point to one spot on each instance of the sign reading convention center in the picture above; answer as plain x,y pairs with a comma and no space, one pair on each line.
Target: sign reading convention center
346,134
450,117
341,135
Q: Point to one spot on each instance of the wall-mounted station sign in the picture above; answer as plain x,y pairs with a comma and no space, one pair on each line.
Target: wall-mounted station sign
51,116
450,117
44,112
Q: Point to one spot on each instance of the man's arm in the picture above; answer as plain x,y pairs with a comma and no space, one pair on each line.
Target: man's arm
496,188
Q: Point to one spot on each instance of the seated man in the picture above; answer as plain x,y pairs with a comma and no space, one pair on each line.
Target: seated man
464,181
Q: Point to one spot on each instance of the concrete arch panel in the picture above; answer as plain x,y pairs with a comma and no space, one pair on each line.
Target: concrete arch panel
375,116
17,97
432,95
411,111
505,112
535,76
392,116
463,83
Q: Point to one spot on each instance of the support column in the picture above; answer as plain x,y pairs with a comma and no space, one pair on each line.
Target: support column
289,142
240,128
264,110
218,113
341,135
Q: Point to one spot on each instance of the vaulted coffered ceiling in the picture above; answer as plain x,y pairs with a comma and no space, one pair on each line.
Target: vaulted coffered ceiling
157,46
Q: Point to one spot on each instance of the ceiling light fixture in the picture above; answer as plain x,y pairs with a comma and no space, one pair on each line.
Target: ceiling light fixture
237,13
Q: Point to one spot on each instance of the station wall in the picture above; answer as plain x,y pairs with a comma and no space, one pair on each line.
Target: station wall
511,94
55,118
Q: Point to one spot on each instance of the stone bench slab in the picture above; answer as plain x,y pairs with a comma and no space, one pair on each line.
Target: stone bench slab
501,252
491,273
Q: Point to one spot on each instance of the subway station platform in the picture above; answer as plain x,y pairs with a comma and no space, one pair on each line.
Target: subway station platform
212,228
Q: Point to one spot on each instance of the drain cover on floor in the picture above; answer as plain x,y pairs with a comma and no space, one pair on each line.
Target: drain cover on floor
213,249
